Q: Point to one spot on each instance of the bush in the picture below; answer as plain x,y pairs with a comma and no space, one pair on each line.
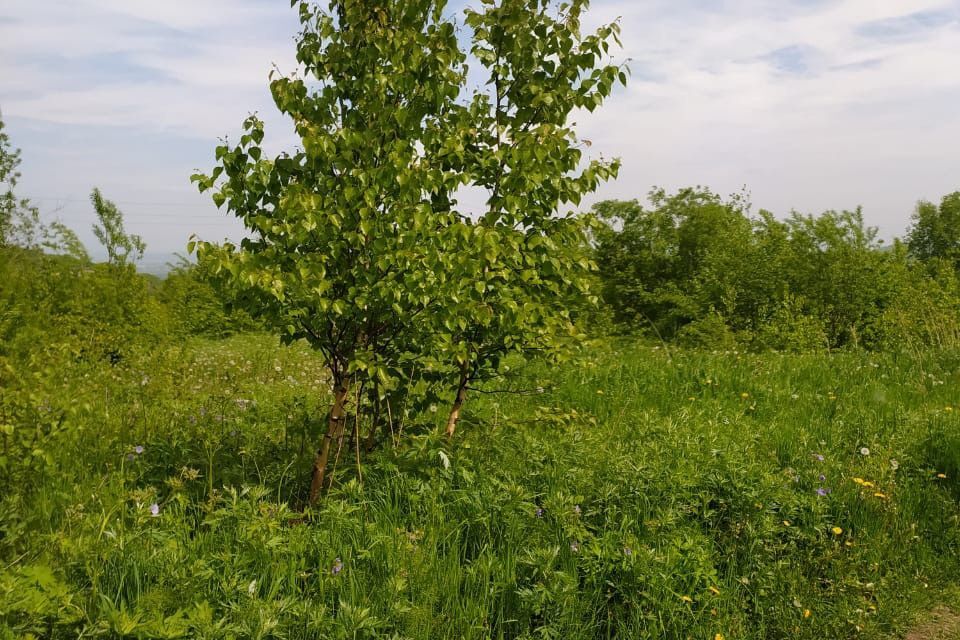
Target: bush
924,314
710,332
790,329
197,308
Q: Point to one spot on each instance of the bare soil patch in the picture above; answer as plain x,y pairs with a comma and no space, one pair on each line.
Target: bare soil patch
941,624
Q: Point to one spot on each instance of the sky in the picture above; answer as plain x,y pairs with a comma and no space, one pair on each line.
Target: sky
808,104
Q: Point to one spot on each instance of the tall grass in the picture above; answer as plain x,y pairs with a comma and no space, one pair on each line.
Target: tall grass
642,494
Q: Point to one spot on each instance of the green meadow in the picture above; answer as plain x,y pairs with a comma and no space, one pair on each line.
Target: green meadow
384,411
637,492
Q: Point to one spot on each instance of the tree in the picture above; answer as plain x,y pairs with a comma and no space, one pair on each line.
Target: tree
20,223
19,220
521,258
935,230
344,250
834,263
689,255
122,248
696,266
356,242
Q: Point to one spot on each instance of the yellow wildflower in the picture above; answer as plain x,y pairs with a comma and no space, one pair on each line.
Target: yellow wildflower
806,613
744,395
714,590
836,531
686,599
719,636
942,476
880,495
786,523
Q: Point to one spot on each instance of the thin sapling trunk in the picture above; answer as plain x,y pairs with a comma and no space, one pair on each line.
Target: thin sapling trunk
335,425
460,399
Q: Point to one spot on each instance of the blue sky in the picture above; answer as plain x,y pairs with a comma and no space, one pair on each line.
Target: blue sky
810,104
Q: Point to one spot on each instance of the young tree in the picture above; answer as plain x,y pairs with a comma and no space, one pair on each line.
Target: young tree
521,258
344,250
20,223
122,248
935,232
356,243
19,220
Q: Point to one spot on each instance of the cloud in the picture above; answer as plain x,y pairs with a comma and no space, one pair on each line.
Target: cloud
813,104
912,25
791,99
192,67
797,58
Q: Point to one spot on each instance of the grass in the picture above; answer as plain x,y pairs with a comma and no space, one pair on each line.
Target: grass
643,494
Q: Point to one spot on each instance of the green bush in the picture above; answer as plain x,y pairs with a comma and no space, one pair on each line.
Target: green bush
711,332
807,282
197,308
790,329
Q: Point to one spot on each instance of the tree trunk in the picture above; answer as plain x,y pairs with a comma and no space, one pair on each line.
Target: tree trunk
371,440
458,403
335,425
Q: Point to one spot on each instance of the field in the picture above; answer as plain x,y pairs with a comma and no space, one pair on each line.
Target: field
637,492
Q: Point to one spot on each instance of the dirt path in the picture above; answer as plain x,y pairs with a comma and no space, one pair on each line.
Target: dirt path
941,624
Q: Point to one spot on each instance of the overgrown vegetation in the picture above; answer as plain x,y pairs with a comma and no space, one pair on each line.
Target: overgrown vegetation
704,271
356,244
644,494
767,449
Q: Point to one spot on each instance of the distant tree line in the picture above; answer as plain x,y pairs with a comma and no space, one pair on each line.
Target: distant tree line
703,270
54,298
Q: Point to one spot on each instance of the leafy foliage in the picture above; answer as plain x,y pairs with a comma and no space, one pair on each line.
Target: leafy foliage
519,258
357,245
20,223
935,232
694,261
681,501
197,307
122,248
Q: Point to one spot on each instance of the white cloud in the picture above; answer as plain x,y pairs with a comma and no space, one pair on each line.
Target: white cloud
862,120
812,104
204,65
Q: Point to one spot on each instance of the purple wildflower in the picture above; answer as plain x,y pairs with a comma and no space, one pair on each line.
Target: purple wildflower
822,492
154,510
538,512
822,477
627,551
131,457
138,449
337,566
818,457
